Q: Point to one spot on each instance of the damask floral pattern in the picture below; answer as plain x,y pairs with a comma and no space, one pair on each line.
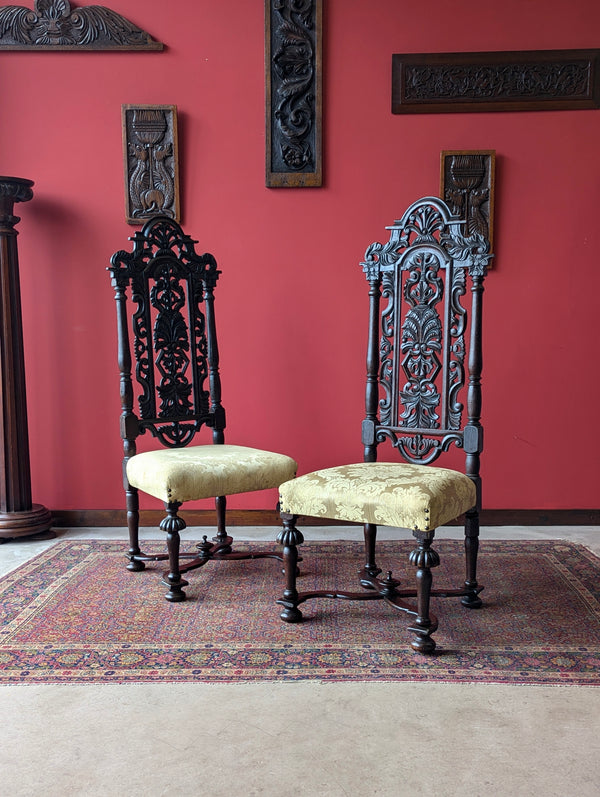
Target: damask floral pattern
385,493
188,474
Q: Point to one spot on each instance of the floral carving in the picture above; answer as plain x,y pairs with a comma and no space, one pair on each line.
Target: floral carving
168,284
512,81
53,24
495,81
293,84
422,269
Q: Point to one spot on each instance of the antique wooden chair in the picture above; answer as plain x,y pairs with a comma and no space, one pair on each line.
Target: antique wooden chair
416,356
178,391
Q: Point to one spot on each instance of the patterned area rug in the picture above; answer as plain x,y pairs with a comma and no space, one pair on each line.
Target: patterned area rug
75,614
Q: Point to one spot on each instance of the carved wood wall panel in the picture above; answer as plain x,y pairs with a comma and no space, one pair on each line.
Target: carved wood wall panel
55,25
293,75
467,182
532,80
151,162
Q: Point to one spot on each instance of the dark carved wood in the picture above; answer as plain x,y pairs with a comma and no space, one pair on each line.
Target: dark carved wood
55,25
150,158
496,81
467,182
169,283
424,363
18,515
169,376
293,64
420,359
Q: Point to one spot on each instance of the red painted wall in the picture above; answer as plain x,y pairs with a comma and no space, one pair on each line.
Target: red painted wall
292,299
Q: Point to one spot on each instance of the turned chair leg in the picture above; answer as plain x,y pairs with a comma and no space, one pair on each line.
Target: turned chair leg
173,524
370,535
133,525
423,558
290,538
472,600
221,537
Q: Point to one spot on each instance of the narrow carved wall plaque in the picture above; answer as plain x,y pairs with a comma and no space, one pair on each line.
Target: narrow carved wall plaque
532,80
54,25
151,162
467,181
293,67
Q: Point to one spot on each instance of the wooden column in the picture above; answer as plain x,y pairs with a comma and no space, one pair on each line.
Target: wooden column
19,517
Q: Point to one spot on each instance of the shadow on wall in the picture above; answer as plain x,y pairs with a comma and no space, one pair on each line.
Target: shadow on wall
73,306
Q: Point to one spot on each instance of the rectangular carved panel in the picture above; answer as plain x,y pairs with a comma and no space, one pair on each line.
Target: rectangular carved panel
467,181
151,162
293,76
532,80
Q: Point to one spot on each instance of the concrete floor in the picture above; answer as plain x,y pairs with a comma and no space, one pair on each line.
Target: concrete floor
305,739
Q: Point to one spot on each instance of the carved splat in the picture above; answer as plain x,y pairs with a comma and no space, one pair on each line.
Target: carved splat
422,370
170,285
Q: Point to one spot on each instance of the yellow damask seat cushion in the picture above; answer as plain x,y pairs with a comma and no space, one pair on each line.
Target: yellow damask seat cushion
385,493
188,474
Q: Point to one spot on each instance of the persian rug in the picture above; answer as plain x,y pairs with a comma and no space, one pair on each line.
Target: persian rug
75,614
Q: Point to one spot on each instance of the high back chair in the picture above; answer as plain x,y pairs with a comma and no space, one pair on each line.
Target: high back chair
176,390
418,361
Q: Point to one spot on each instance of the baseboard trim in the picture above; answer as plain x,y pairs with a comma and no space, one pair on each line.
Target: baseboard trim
266,517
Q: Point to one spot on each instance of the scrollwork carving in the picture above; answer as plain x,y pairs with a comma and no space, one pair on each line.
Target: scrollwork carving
421,342
293,58
54,25
496,81
167,281
513,81
423,269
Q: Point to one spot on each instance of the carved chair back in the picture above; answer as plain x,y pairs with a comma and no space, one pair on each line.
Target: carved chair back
166,328
424,344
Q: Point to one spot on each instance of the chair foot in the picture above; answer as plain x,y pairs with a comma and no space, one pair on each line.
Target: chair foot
472,601
291,614
175,593
223,543
367,575
422,641
135,566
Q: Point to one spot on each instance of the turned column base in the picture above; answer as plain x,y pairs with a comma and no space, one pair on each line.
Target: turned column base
26,522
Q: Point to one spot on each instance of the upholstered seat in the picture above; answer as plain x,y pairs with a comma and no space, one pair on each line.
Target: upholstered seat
386,493
189,474
424,362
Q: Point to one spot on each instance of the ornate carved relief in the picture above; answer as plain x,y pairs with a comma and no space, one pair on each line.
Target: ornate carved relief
168,282
151,162
467,179
293,84
54,25
422,346
497,81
